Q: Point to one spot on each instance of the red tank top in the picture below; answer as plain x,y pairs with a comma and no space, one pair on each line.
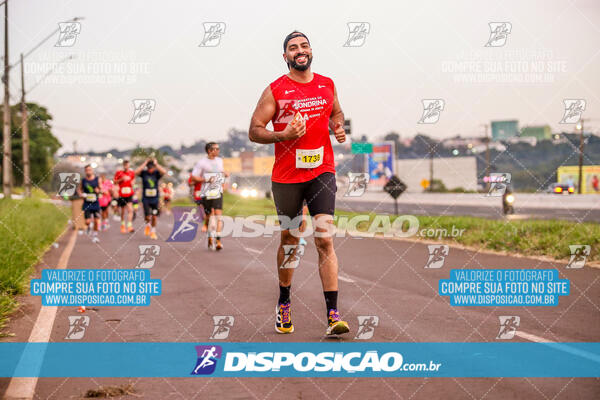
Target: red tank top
314,100
125,187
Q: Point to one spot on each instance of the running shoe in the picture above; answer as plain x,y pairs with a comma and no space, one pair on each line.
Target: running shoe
130,229
336,325
95,239
153,235
219,245
147,231
283,323
123,229
210,242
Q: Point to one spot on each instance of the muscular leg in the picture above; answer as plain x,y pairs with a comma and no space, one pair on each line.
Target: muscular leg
218,214
285,274
328,262
129,212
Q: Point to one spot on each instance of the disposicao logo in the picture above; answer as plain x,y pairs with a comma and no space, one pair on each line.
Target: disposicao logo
308,361
276,363
207,359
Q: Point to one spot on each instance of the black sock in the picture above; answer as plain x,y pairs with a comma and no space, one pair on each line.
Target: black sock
331,300
218,237
284,294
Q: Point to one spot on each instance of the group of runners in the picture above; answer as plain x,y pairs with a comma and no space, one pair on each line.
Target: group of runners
100,193
206,182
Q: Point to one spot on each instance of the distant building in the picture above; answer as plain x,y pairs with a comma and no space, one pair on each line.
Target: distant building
454,172
452,143
542,132
523,139
502,130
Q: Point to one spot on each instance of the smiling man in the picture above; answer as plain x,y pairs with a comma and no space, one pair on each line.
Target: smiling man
302,106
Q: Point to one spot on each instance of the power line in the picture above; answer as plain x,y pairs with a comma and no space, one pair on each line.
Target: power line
94,134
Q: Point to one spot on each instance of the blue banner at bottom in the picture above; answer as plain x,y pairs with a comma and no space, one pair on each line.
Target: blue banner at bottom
225,359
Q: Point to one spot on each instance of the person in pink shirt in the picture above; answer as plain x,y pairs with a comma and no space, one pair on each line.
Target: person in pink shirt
106,188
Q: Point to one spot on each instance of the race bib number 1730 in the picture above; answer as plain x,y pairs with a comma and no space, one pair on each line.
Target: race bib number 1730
309,158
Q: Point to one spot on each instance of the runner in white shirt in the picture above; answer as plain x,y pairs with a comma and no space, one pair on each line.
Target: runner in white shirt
209,171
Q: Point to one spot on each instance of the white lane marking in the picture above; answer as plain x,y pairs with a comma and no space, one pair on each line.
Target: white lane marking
345,279
559,346
532,338
252,250
24,387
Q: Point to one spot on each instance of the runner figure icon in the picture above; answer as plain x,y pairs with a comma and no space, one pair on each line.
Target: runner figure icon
186,225
208,356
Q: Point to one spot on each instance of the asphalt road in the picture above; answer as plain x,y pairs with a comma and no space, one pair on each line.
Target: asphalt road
385,278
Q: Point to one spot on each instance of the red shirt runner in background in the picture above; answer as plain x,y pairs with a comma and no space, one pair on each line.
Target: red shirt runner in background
126,185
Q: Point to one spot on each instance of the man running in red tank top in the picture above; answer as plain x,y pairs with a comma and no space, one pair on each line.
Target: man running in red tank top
302,106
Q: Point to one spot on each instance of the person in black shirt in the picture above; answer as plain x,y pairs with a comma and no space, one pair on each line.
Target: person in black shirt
150,172
89,189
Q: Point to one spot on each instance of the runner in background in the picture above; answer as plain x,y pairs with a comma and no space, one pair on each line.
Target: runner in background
167,193
196,191
89,189
124,178
106,187
114,203
209,171
135,201
150,172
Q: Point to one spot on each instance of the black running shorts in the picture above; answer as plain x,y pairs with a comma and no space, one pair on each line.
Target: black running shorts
210,204
122,201
151,207
91,213
319,194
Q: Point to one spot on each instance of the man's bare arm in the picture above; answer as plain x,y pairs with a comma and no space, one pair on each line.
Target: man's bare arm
336,119
337,115
160,168
264,112
139,169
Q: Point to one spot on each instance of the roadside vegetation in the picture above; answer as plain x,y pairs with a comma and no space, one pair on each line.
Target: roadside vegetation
27,228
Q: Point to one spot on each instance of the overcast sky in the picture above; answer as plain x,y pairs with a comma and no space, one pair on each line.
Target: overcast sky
413,51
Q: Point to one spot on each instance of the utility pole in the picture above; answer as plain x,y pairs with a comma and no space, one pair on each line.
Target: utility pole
6,143
581,142
430,167
486,140
25,136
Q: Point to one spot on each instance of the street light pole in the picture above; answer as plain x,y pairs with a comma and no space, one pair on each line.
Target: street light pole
430,168
24,118
25,136
6,142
